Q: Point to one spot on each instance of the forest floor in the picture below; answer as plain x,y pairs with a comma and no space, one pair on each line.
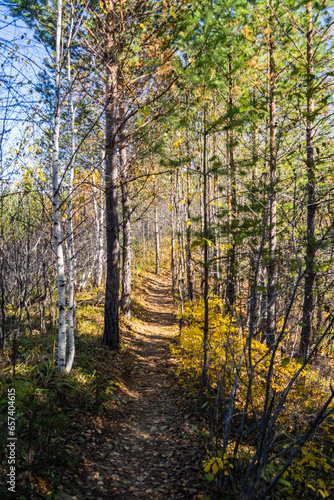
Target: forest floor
147,447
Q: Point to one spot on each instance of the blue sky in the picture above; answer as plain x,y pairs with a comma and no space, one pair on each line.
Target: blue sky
21,59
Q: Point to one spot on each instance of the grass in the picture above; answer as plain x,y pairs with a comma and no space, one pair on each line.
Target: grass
59,404
55,400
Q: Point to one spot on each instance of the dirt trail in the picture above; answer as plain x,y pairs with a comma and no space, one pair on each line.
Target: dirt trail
147,449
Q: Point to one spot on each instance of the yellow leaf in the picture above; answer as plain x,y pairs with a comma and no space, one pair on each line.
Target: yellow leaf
207,467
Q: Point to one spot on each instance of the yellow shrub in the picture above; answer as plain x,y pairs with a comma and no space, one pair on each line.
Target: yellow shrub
229,348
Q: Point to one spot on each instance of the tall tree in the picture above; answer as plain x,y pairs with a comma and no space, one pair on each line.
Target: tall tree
70,242
126,225
156,229
311,187
271,287
231,192
56,202
111,326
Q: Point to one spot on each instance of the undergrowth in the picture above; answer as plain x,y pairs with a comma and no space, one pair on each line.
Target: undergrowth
47,402
311,474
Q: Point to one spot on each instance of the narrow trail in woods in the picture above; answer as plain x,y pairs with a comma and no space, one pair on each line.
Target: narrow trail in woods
147,448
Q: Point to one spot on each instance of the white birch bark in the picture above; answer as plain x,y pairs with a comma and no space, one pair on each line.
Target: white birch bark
173,260
55,204
99,218
156,231
97,228
100,234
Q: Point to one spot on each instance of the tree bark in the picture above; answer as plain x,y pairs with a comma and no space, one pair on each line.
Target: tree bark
99,218
70,245
218,252
254,193
56,204
173,260
271,287
111,316
311,187
231,201
206,358
190,286
99,259
2,254
126,226
156,231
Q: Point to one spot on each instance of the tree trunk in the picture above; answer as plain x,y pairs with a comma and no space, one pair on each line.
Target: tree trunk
97,226
70,246
126,269
206,358
99,259
99,218
231,201
190,287
111,325
156,231
173,262
202,210
2,255
218,253
56,205
254,194
271,287
311,202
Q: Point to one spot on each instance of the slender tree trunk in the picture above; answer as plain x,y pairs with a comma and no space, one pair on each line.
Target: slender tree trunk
97,226
217,254
70,246
181,267
111,324
217,249
263,276
202,209
180,231
181,277
126,266
311,186
99,218
99,221
156,231
173,261
56,204
231,194
2,255
190,286
254,193
271,288
206,358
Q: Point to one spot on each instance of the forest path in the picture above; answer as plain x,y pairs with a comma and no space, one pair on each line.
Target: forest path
148,449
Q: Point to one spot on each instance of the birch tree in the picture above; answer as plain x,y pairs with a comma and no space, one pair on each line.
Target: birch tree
56,201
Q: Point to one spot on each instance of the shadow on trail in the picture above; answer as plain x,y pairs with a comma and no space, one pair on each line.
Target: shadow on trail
147,448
